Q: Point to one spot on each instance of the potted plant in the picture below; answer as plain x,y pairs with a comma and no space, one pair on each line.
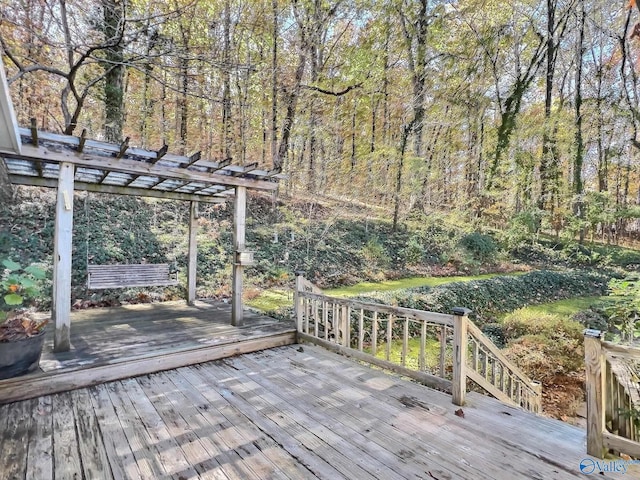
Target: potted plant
21,337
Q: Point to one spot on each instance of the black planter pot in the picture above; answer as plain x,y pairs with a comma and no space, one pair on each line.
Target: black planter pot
20,356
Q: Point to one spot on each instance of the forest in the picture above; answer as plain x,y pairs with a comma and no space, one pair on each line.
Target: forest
519,114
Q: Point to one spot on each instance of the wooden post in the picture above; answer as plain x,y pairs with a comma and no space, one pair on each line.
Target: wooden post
193,253
239,219
62,248
459,385
595,368
297,308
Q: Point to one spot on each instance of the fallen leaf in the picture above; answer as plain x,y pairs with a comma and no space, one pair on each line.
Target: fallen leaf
459,413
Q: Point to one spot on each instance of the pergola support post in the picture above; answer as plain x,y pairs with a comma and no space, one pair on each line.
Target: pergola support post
239,221
193,253
62,249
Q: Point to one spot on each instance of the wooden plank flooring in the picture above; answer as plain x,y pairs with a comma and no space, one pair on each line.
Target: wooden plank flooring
114,343
102,335
293,412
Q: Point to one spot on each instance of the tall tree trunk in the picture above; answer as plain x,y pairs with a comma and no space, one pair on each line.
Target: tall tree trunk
226,82
113,11
274,83
578,186
406,131
547,161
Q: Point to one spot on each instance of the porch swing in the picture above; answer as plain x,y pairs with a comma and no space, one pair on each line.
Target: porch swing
100,277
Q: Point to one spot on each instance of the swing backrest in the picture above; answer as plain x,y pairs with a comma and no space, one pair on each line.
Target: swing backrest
133,275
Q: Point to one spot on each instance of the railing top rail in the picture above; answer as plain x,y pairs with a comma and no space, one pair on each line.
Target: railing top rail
432,317
622,351
477,333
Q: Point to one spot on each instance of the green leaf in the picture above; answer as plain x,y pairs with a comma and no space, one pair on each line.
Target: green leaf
13,299
27,283
11,265
36,271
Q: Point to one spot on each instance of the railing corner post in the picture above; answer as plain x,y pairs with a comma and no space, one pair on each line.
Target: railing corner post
297,309
459,386
595,385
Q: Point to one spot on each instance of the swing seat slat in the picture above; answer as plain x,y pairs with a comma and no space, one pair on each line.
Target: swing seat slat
133,275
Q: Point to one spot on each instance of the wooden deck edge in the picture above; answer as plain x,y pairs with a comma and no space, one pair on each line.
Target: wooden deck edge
50,383
429,380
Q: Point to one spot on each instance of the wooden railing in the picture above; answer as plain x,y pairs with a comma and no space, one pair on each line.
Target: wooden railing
439,350
613,397
498,376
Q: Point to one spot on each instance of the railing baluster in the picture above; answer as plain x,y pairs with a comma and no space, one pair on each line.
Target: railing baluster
325,319
347,325
485,365
305,308
405,341
615,401
512,386
622,420
443,350
374,334
474,354
336,323
389,336
494,368
423,340
361,330
315,317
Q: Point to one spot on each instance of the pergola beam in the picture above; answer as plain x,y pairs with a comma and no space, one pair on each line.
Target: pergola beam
116,189
29,152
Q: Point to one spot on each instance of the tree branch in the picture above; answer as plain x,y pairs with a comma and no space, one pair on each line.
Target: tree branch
329,92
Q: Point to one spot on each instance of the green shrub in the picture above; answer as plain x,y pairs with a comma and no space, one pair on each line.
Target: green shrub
18,285
592,318
413,252
375,252
624,310
495,331
480,246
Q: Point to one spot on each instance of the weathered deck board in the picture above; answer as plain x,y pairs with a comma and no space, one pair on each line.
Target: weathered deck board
40,443
285,413
100,336
115,343
122,461
378,417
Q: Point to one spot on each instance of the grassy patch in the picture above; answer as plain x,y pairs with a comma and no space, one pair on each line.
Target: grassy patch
402,283
271,300
566,307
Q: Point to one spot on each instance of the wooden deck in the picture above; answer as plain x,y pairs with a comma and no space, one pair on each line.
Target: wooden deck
293,412
113,343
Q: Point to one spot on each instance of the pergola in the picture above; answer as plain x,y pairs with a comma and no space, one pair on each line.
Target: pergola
68,163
